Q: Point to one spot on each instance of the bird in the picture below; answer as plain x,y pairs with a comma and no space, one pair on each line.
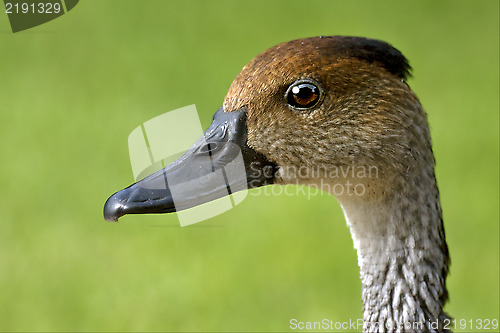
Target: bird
327,112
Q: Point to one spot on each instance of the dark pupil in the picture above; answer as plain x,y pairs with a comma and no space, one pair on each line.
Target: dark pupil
303,95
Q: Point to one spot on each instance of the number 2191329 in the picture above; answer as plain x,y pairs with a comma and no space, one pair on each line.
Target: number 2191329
32,8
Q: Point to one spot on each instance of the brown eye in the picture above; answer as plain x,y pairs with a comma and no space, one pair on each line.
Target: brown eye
303,94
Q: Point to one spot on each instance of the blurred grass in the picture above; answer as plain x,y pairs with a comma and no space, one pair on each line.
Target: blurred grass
73,89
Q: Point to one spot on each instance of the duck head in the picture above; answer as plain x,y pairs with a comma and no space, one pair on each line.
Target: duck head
308,111
336,113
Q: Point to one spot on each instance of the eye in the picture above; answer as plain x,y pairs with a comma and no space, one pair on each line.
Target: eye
303,94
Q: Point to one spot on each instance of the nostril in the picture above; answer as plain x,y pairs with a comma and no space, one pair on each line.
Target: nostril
209,148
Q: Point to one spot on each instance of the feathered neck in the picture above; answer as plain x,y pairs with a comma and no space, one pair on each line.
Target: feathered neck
402,255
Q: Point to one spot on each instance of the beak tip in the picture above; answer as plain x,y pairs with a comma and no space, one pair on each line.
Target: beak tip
113,208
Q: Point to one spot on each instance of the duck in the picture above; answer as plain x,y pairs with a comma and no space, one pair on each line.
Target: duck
327,112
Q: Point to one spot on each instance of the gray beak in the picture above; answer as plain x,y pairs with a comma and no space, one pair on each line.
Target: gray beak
218,164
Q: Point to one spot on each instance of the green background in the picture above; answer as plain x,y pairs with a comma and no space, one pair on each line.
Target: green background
73,89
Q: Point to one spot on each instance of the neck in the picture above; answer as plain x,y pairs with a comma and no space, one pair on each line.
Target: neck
403,257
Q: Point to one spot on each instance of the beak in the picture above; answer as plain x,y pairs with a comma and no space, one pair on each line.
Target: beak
218,164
